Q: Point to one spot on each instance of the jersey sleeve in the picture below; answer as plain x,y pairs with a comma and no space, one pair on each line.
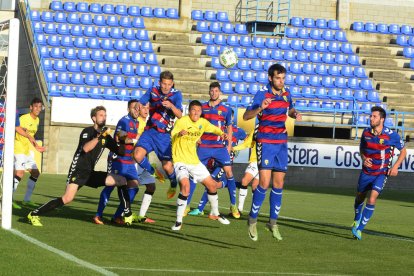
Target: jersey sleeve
178,103
257,101
229,121
113,146
122,125
146,97
396,141
247,143
290,101
242,134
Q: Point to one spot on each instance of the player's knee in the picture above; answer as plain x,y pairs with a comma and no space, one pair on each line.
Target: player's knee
19,173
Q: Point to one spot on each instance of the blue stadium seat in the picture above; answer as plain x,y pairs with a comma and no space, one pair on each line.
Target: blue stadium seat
373,96
261,77
141,70
277,54
329,34
142,35
232,40
315,34
151,58
301,80
255,65
172,13
291,32
77,79
321,69
115,32
73,18
300,104
302,33
245,100
366,84
222,75
99,20
340,59
123,95
253,88
302,56
327,81
242,64
60,17
245,41
114,69
63,77
124,57
56,6
283,44
366,108
207,38
47,64
70,53
239,51
359,72
134,11
394,29
315,57
321,23
258,42
289,55
133,45
210,15
56,52
132,82
321,93
340,82
87,67
289,80
226,88
89,31
296,21
73,66
81,92
50,77
295,91
295,68
241,88
83,54
95,93
215,27
107,44
327,106
121,10
308,69
314,80
346,48
68,91
86,19
264,54
402,40
236,76
95,8
408,52
50,28
69,7
109,93
120,45
91,80
97,55
137,94
334,70
312,104
353,60
59,65
333,93
76,30
340,36
228,28
222,17
405,29
240,29
296,44
212,50
82,7
412,64
347,71
250,52
341,105
44,52
347,94
309,45
138,22
146,47
233,100
63,29
271,43
358,26
382,28
105,80
353,83
145,82
146,12
215,63
53,40
333,24
101,68
328,58
125,21
197,15
110,56
248,76
321,46
361,120
108,9
308,23
35,15
307,92
370,27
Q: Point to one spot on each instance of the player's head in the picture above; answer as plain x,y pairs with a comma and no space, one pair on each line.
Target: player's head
166,82
98,116
214,91
143,110
377,116
36,106
277,74
194,110
133,108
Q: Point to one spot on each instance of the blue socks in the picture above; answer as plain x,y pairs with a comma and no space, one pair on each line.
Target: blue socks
366,215
203,201
103,200
192,189
173,179
358,209
145,164
275,202
258,198
231,185
132,193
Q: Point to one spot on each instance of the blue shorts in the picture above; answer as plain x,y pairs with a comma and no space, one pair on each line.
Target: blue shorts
128,171
272,156
160,143
220,155
368,182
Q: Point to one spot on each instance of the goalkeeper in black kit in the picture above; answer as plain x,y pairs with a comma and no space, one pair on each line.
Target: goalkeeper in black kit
92,142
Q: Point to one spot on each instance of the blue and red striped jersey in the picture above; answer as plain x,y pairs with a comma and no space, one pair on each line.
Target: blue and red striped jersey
220,116
130,126
160,117
238,134
271,128
378,147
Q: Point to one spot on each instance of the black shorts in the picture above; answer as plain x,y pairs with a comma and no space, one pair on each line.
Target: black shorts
91,179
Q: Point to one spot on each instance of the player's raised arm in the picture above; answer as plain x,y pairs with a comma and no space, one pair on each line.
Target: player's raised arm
247,143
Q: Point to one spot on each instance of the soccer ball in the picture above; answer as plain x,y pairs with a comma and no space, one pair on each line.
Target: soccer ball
228,58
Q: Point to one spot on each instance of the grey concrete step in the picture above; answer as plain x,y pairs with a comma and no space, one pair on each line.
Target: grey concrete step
170,49
181,61
190,74
388,85
389,76
170,38
192,87
375,62
373,51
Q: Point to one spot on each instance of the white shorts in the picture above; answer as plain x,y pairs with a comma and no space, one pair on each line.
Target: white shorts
199,172
24,162
144,177
253,170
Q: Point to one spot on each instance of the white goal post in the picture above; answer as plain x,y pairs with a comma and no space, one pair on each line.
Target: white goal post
9,47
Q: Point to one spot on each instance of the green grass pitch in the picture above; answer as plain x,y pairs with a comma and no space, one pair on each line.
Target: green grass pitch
315,225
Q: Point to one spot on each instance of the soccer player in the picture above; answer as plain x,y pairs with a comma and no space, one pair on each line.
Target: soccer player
185,134
92,141
376,150
272,104
212,146
23,160
251,174
122,165
165,104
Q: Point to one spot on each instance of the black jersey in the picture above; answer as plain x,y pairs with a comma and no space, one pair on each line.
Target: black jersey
83,163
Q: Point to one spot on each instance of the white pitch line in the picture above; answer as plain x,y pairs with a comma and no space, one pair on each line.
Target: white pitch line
217,271
63,254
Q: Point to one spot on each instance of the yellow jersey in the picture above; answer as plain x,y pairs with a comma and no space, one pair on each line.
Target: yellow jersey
248,143
21,143
184,148
142,124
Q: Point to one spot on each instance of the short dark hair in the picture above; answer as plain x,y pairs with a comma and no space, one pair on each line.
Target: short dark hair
96,109
36,100
131,102
276,67
194,103
214,84
381,111
166,75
